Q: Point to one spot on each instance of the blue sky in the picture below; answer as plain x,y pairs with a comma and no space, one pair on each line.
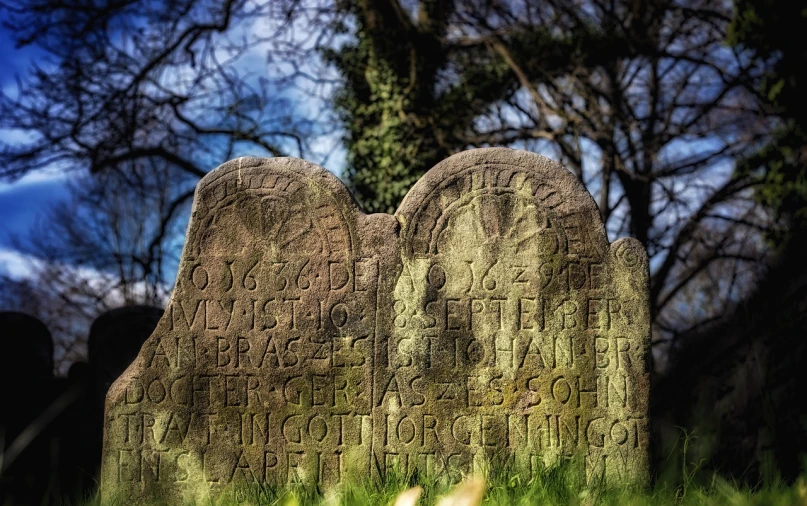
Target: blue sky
21,202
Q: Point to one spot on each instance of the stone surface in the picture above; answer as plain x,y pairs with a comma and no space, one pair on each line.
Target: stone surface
488,321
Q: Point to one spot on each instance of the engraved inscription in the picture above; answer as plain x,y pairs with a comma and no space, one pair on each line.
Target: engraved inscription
515,335
489,321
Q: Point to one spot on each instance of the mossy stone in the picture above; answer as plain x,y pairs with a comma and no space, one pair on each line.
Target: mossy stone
489,322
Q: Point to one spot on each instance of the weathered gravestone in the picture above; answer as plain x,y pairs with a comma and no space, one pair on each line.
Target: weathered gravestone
28,451
488,321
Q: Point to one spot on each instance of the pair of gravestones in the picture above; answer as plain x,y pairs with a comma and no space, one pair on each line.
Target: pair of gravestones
489,322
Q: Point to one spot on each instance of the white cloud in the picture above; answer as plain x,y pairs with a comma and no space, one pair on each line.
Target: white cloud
18,265
22,266
48,175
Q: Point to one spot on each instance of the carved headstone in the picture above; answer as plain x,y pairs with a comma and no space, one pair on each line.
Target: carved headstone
489,321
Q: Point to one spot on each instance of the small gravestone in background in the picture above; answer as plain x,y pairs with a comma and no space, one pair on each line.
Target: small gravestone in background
28,341
115,339
489,322
27,388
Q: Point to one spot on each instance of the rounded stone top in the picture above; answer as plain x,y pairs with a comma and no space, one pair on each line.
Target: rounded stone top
265,203
28,344
252,173
511,175
121,331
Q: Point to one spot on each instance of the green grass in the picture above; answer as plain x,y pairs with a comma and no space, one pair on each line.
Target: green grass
551,489
556,486
680,482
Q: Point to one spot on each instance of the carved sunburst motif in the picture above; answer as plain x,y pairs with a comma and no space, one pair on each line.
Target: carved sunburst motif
495,220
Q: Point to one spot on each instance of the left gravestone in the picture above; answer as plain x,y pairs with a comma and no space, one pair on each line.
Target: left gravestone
261,364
